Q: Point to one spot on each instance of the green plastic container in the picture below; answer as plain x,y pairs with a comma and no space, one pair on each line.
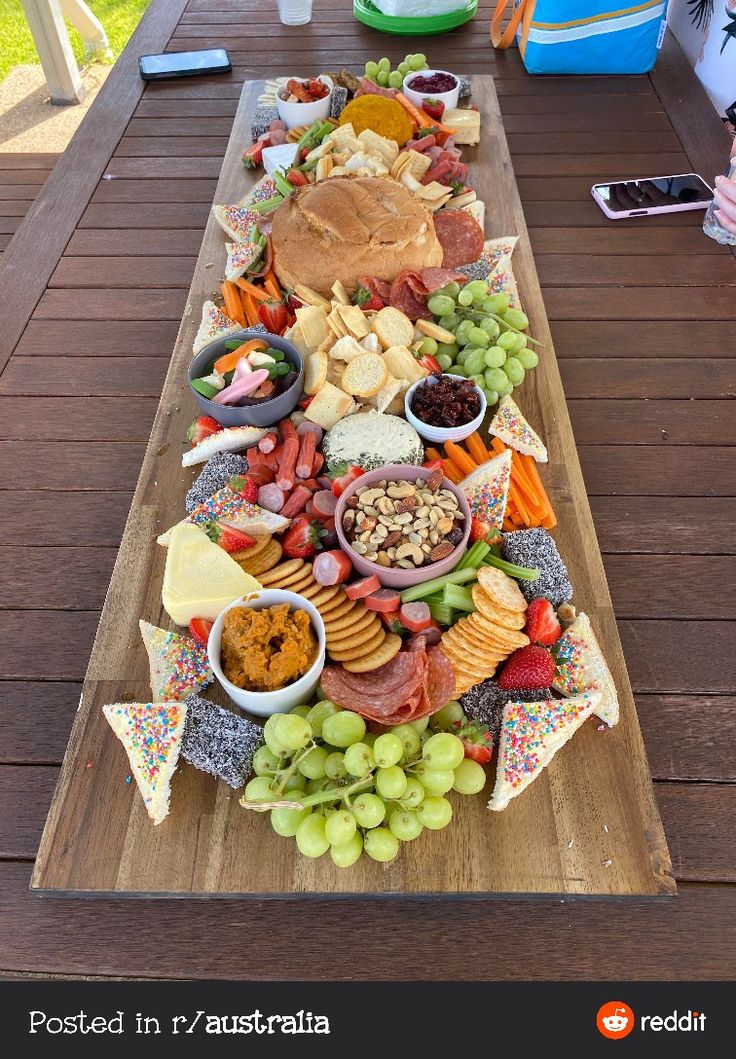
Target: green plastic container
369,15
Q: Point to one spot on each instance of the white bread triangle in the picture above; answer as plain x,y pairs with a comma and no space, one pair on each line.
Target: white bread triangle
227,508
531,735
151,733
178,664
581,666
214,325
229,439
512,428
487,488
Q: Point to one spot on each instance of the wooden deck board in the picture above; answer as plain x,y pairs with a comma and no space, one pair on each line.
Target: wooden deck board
692,937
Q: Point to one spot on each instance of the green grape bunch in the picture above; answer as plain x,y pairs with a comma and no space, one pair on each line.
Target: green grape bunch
380,73
490,345
336,788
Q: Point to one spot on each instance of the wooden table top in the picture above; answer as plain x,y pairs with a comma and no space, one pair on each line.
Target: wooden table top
92,288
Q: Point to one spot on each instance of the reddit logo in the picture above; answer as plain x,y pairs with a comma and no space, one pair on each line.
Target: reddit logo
615,1020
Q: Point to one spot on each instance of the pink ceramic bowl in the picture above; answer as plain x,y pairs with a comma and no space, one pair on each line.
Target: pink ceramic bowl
393,577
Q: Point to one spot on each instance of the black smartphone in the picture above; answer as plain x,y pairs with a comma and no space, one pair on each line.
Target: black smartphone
639,198
183,64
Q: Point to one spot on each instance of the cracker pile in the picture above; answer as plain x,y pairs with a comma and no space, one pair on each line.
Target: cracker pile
356,636
260,557
476,645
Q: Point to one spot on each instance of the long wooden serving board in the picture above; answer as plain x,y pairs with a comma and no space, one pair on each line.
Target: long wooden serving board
589,826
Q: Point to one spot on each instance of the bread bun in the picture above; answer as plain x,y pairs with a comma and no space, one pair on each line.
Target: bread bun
346,227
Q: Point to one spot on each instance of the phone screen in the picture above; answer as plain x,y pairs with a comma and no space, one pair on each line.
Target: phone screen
184,62
628,195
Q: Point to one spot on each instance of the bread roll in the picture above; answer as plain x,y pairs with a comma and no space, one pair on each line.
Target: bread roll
347,227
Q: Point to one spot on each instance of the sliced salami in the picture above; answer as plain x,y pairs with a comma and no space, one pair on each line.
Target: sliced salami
409,295
461,237
440,678
435,279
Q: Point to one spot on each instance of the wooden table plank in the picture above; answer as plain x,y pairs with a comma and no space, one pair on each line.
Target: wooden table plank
602,270
660,655
73,466
688,525
622,303
676,471
57,418
689,738
658,422
704,849
85,304
666,378
23,791
63,517
19,710
623,240
125,271
653,586
163,190
660,338
56,578
133,242
83,338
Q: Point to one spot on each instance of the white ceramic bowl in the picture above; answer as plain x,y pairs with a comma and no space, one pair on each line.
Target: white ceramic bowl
295,114
450,99
430,433
264,703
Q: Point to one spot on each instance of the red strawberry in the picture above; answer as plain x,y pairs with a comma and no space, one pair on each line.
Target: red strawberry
232,540
477,740
292,301
434,465
478,530
429,363
529,667
199,629
201,428
367,299
274,316
297,179
245,487
435,108
302,539
343,475
542,625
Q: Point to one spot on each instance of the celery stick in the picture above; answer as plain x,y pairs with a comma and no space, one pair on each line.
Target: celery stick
474,556
458,598
524,573
282,184
441,613
267,205
455,577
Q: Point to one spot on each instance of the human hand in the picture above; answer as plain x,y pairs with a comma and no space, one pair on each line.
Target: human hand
725,198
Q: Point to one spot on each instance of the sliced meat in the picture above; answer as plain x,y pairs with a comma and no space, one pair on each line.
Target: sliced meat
422,144
364,587
440,678
271,497
435,279
461,237
331,568
409,295
370,88
439,171
378,287
384,600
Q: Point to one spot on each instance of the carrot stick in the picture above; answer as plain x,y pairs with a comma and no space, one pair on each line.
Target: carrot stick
228,360
422,120
521,478
250,308
233,308
452,472
250,288
477,449
519,503
460,457
432,454
530,466
272,285
498,446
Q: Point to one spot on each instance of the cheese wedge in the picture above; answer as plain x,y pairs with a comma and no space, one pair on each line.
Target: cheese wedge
151,733
487,489
227,508
178,664
531,735
580,666
511,427
200,578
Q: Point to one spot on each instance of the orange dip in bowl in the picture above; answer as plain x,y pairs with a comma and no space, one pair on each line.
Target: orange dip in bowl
265,650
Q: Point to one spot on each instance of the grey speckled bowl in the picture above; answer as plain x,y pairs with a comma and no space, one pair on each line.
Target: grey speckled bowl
388,576
258,413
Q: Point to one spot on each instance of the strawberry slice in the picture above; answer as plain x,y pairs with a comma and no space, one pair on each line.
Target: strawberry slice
343,475
302,539
366,299
477,739
201,428
246,487
479,530
542,625
232,540
273,316
529,667
199,629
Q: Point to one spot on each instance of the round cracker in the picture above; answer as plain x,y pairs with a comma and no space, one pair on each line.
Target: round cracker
323,596
284,570
299,577
337,609
497,634
359,650
474,638
498,615
472,650
297,586
255,549
351,636
267,559
388,649
501,587
362,622
462,664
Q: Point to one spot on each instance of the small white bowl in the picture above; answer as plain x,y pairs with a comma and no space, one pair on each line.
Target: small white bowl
264,703
430,433
450,99
295,114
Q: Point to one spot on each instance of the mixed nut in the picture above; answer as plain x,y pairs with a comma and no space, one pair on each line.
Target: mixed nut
404,524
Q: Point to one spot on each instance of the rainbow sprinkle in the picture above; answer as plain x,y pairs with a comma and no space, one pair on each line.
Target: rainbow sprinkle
511,427
151,733
224,506
264,190
527,730
239,257
236,221
580,666
178,664
214,325
486,489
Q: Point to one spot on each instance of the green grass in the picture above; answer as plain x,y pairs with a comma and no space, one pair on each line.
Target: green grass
119,17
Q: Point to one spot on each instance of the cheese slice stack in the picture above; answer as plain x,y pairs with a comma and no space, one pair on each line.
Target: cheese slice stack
200,578
151,733
531,735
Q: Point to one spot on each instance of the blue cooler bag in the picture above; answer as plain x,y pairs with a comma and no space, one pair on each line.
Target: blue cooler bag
583,36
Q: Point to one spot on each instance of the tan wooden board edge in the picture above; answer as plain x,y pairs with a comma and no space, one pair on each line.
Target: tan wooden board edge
589,826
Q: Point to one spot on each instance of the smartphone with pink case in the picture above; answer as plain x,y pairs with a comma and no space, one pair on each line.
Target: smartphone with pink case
649,195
